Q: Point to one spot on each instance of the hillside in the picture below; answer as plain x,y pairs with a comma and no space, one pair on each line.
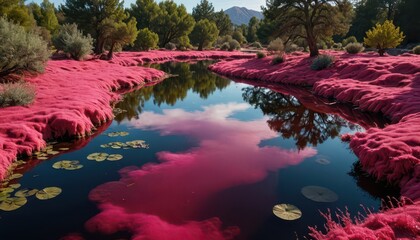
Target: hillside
241,15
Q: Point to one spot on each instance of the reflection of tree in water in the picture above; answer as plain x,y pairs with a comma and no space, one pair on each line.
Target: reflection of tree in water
187,76
292,119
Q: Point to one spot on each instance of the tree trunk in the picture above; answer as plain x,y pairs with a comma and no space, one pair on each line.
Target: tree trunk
200,47
313,48
99,46
111,51
381,51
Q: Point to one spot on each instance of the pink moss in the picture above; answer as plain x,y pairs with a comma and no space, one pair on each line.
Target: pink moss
389,85
170,200
73,97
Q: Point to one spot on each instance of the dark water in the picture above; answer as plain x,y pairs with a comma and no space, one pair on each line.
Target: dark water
218,149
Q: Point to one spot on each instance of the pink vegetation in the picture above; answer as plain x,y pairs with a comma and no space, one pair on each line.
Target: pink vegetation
390,85
146,203
73,97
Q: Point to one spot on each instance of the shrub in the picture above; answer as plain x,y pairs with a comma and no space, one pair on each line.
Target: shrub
72,41
322,62
261,55
416,50
291,48
20,50
234,45
15,94
256,45
354,48
337,46
384,36
146,40
278,59
223,39
237,35
170,46
351,39
276,45
183,43
225,46
322,45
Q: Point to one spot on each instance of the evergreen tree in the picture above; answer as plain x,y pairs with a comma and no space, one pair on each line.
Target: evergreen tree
203,10
45,15
144,11
119,33
223,23
407,17
172,22
16,11
251,35
204,34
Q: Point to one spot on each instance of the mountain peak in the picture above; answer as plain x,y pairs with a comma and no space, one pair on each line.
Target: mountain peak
242,15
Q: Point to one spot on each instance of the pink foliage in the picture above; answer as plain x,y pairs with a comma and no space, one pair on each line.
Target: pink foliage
74,97
389,85
170,200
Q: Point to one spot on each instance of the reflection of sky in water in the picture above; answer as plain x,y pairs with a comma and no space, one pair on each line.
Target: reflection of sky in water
215,167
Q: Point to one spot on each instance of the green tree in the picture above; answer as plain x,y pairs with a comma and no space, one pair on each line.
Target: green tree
146,40
407,17
45,15
384,36
119,33
251,35
238,36
16,11
144,11
311,20
223,23
172,22
20,50
204,34
90,16
203,10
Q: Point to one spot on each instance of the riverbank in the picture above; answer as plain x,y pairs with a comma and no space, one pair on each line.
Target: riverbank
73,97
387,85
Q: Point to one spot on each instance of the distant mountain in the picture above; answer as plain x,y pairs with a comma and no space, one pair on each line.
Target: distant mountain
241,15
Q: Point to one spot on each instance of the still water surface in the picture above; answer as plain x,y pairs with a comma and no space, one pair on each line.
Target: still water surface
221,155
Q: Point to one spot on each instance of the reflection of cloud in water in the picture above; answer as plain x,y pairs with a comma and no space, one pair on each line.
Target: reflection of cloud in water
166,201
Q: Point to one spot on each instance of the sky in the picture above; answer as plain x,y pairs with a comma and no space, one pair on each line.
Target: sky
189,4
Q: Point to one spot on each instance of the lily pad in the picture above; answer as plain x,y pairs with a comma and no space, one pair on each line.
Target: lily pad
7,190
15,176
99,157
15,186
323,161
287,211
51,152
64,149
319,194
138,144
48,193
10,204
114,157
118,134
67,165
26,192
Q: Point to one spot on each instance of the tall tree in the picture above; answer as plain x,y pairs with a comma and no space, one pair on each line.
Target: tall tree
223,23
119,33
172,22
16,11
407,17
203,10
204,34
144,11
90,16
45,15
251,35
311,20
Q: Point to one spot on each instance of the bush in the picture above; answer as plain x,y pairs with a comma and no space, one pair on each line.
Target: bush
278,59
261,55
322,62
276,45
237,35
72,41
183,43
354,48
16,94
384,36
146,40
291,48
225,46
20,50
223,39
234,45
256,45
416,50
351,39
337,46
170,46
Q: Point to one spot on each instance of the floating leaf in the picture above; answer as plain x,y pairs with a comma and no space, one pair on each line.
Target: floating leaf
48,193
322,161
319,194
4,196
99,157
67,165
114,157
10,204
14,186
118,134
26,192
287,211
64,149
15,176
42,158
7,190
137,144
51,152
